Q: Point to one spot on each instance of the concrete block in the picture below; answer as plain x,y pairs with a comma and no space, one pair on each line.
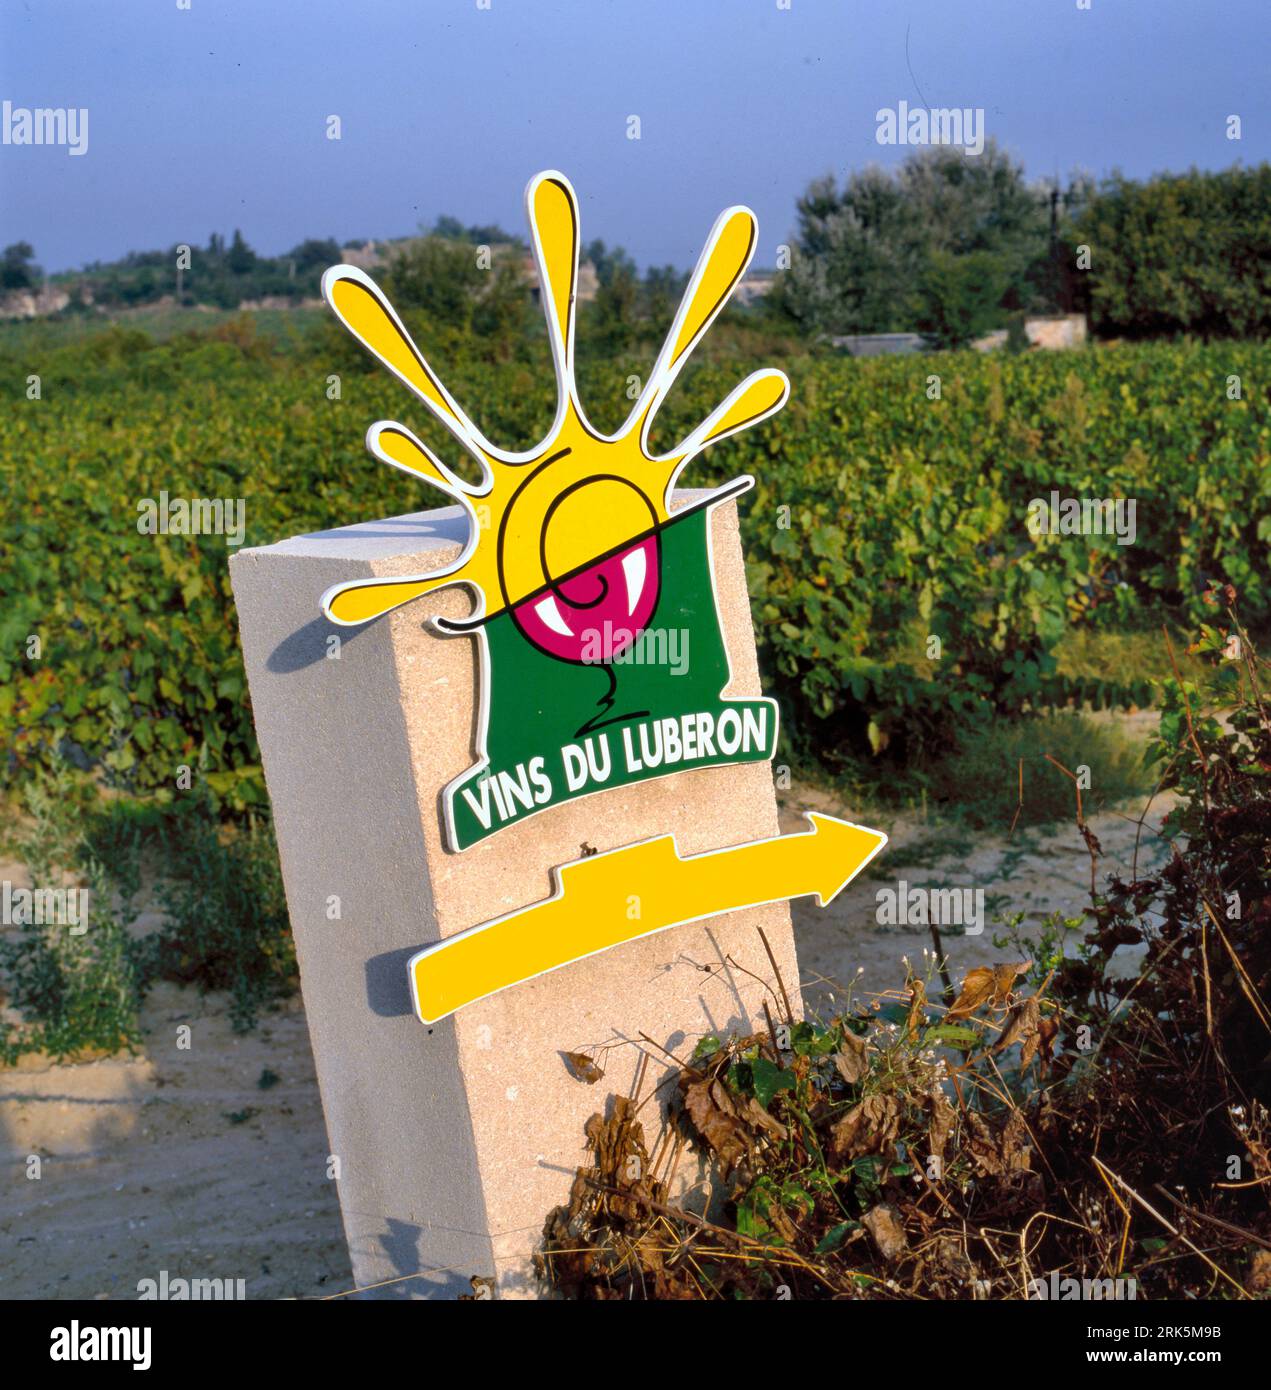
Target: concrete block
455,1141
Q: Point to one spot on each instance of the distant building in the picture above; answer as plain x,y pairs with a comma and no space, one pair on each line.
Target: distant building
1045,331
754,286
35,303
365,257
879,344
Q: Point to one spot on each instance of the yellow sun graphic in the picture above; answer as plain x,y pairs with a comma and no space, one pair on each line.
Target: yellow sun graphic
572,524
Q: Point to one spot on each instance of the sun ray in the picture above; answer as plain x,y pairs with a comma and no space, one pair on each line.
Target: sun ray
352,604
552,208
722,263
362,308
394,444
762,393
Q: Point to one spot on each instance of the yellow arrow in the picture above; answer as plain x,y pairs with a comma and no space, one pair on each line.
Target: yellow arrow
631,892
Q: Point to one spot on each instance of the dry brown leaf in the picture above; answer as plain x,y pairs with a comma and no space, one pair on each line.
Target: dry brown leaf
982,1145
1022,1026
1004,977
851,1060
917,1002
675,1285
1016,1144
868,1128
990,984
977,987
622,1160
888,1235
750,1109
781,1222
1010,1151
710,1108
583,1068
1259,1280
1047,1032
941,1126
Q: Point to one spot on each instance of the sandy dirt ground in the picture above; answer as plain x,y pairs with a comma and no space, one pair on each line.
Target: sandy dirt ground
174,1160
209,1162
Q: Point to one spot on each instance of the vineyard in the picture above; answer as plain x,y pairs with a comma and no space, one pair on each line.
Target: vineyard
899,597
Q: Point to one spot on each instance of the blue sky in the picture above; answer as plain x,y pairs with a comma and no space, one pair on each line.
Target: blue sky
215,118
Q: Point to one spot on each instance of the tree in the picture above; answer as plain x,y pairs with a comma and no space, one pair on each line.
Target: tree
949,242
17,271
959,297
439,278
241,258
610,319
451,229
1179,253
609,264
444,281
855,259
313,254
448,228
663,288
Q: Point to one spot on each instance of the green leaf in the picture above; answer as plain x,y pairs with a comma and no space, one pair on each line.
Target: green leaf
955,1035
768,1080
866,1169
811,1040
834,1237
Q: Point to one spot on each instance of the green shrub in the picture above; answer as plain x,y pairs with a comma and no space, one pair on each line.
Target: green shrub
77,991
1181,253
226,921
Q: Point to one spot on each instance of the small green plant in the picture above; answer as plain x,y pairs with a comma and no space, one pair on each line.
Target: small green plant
226,921
76,988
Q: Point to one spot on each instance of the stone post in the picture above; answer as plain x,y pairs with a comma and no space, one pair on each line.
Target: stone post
454,1141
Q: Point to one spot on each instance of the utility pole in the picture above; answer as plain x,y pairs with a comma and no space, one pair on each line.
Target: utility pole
1059,293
